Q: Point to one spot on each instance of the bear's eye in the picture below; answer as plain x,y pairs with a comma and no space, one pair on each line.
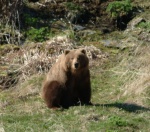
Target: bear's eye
71,58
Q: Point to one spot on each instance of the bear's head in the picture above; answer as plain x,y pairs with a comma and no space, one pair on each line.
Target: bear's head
76,60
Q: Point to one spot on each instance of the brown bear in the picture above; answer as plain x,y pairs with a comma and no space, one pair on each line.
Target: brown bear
68,81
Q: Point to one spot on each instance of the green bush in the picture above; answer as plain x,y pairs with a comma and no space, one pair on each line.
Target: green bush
145,25
118,121
72,6
38,35
119,8
30,21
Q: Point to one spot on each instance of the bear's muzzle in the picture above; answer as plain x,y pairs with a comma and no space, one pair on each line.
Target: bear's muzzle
76,65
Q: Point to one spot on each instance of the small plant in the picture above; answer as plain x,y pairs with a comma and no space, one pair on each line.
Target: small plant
118,121
30,21
145,25
38,35
119,8
73,7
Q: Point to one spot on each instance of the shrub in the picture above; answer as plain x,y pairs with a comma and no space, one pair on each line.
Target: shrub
30,21
73,6
38,35
119,8
145,25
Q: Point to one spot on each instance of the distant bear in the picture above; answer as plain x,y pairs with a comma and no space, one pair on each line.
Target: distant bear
68,81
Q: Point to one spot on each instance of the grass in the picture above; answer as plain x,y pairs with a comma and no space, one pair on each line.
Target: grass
110,112
145,25
120,94
76,119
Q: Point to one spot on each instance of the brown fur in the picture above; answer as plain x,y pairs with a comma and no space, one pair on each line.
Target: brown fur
68,81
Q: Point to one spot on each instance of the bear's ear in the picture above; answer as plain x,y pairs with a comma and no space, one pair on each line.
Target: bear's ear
66,52
83,51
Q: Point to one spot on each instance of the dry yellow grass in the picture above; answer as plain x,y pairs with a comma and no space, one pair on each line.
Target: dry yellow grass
136,89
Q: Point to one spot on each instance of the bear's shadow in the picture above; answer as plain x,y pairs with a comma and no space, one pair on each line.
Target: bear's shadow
129,107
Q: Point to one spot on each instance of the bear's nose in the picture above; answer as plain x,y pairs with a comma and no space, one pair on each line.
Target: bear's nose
76,65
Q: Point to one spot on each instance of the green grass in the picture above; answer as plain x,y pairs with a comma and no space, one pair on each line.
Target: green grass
107,115
111,111
119,8
145,25
76,119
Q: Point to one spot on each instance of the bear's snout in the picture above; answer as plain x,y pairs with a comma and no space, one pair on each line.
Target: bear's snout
76,65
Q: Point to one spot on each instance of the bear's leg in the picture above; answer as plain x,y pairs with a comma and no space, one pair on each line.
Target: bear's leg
85,92
52,94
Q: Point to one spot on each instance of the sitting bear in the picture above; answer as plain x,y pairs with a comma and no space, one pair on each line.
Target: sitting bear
68,81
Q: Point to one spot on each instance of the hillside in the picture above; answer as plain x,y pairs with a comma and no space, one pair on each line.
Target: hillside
119,66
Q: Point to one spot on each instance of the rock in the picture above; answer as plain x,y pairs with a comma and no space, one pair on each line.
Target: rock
127,42
78,27
87,32
110,43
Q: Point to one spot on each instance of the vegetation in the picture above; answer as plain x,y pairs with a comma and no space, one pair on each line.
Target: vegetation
10,22
72,6
30,21
119,66
119,8
145,25
38,35
28,112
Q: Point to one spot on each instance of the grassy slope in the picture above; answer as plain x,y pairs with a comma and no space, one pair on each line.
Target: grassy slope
112,110
120,92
